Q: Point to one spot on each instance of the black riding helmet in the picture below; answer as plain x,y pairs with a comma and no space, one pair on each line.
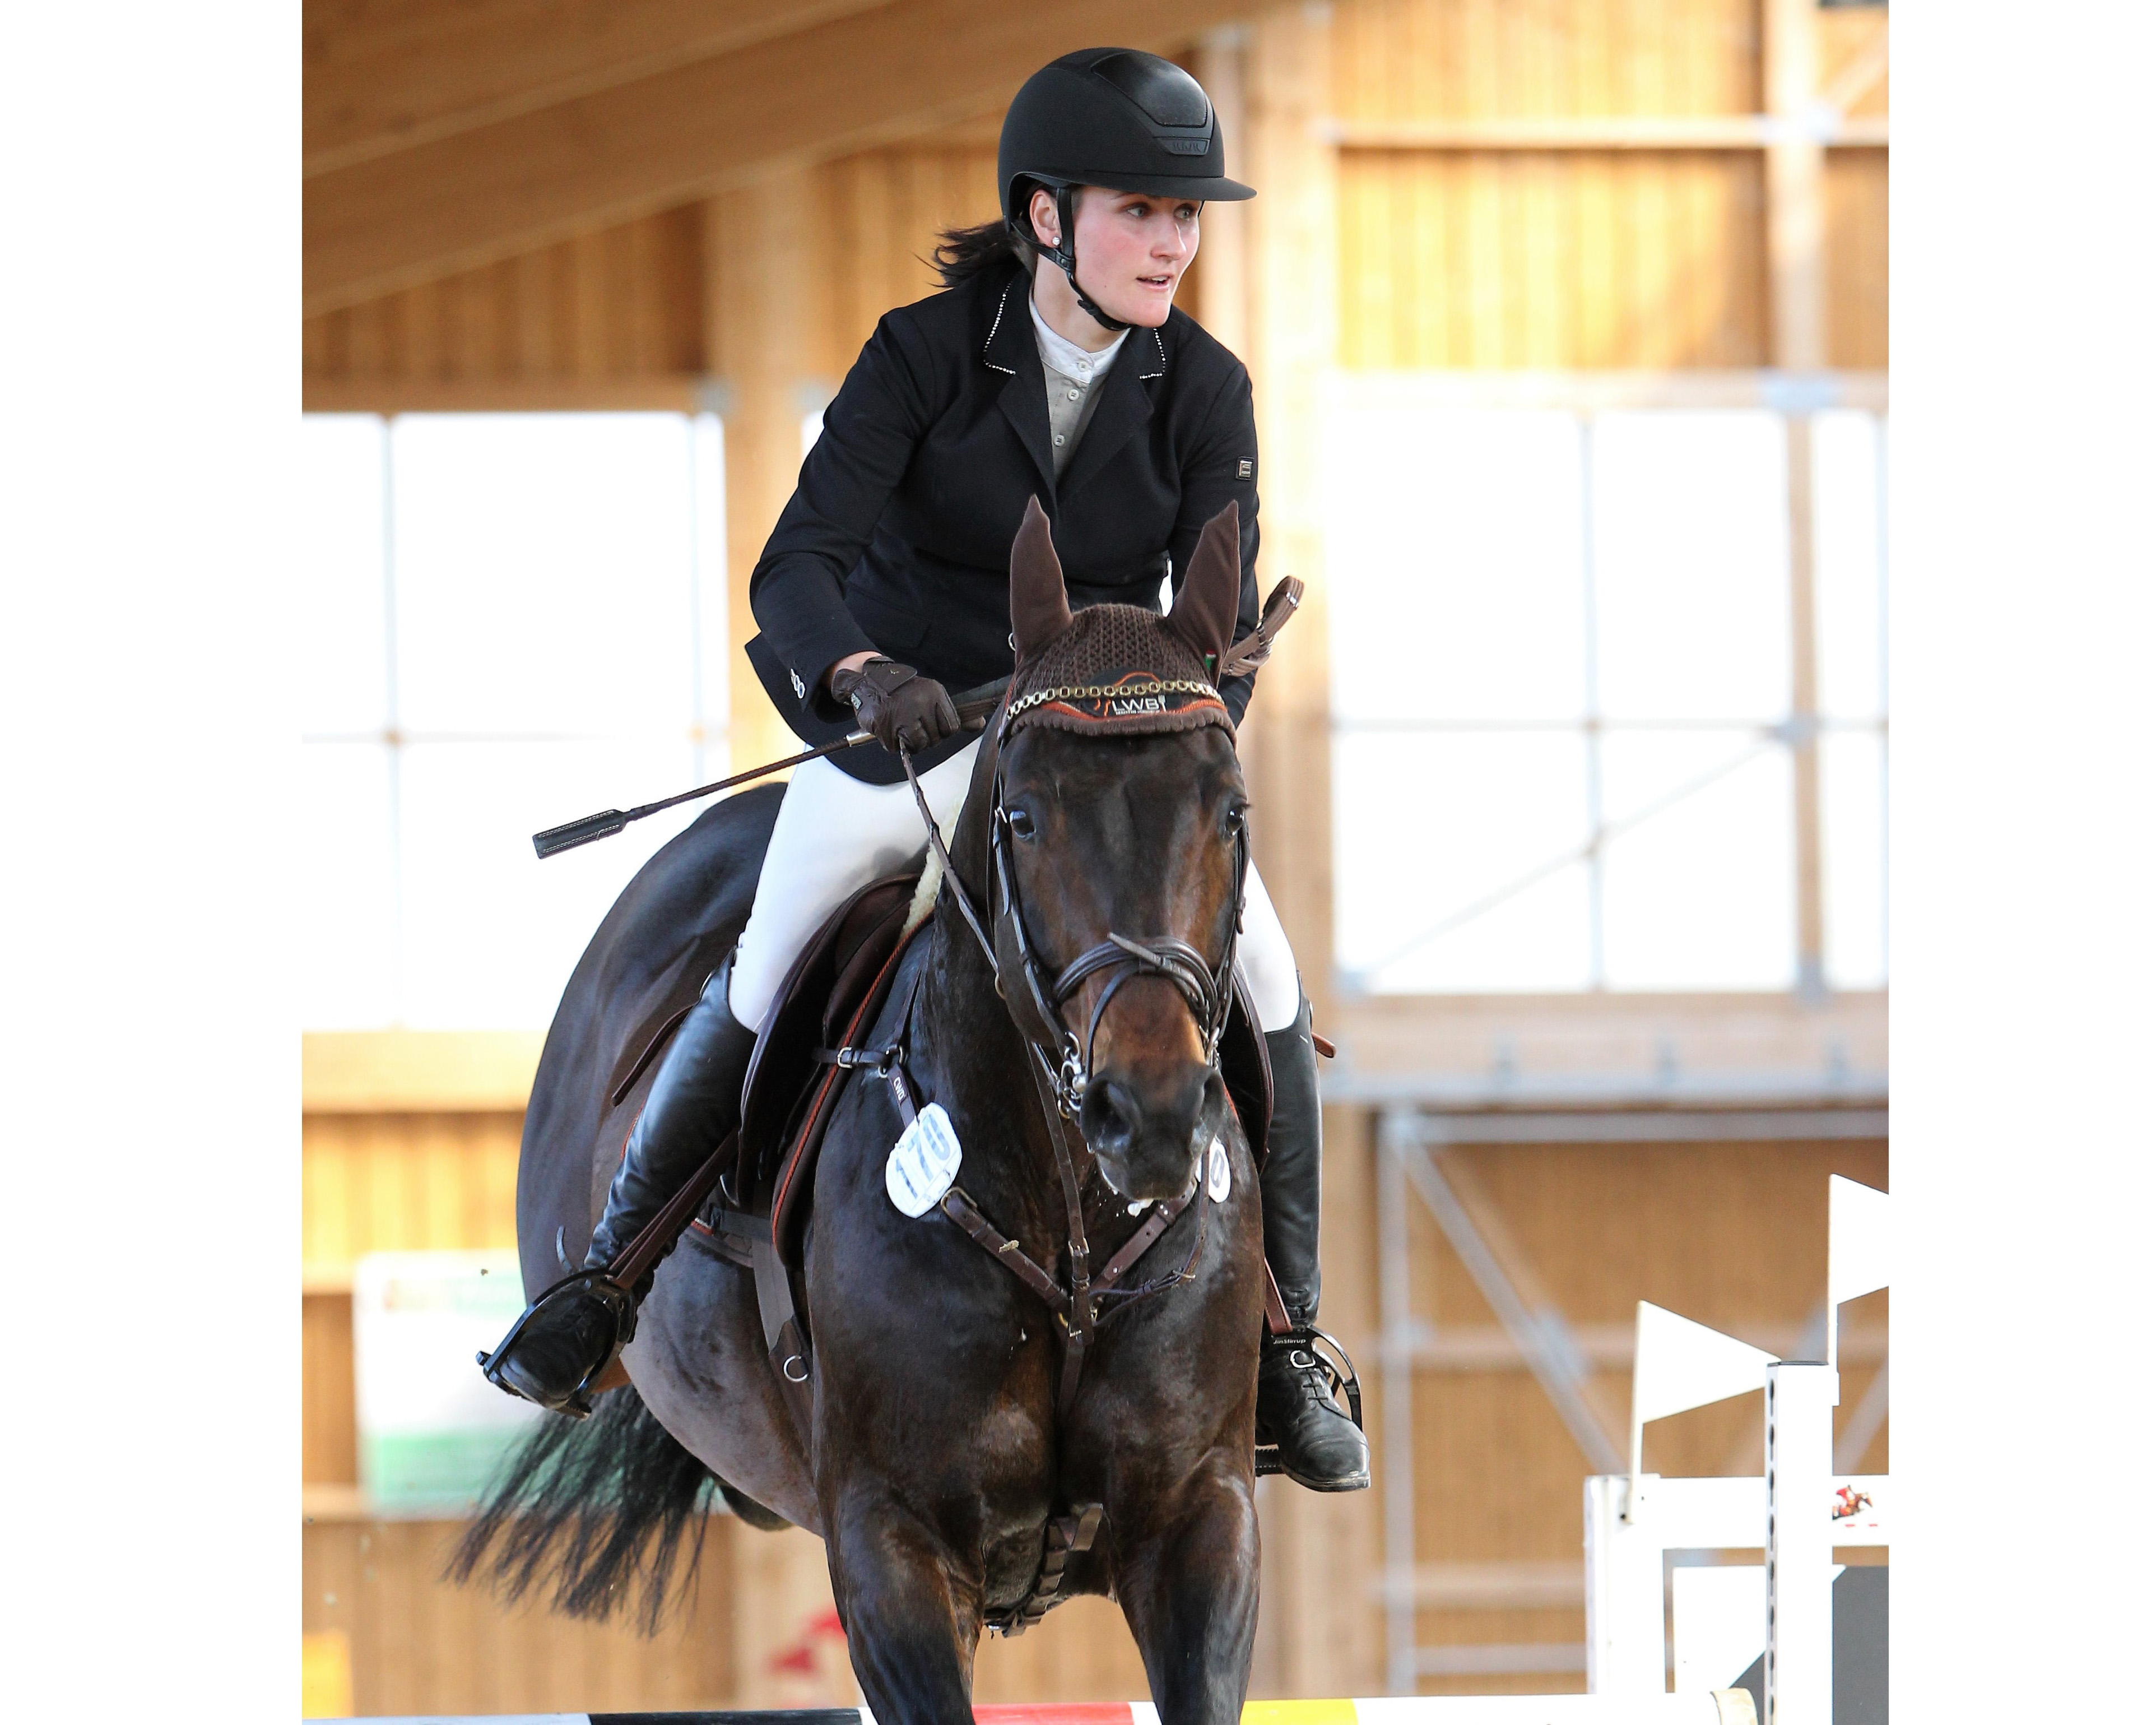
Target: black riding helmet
1112,117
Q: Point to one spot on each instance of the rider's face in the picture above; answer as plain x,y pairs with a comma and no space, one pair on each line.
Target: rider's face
1132,249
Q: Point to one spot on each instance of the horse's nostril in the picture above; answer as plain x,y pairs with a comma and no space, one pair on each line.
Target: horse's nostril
1109,1117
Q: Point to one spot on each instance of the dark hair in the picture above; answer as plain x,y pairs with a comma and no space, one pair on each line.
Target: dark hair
964,253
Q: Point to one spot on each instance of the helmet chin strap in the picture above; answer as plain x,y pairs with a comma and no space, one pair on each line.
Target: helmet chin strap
1065,255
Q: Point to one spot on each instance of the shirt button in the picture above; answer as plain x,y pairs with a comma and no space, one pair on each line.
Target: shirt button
1084,365
1059,440
1074,395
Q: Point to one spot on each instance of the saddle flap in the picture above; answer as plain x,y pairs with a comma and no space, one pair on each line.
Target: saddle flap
790,1189
822,988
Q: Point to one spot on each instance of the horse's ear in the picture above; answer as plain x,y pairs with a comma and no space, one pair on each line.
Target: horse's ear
1040,607
1204,611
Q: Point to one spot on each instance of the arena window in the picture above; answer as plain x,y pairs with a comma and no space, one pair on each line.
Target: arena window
1567,710
510,620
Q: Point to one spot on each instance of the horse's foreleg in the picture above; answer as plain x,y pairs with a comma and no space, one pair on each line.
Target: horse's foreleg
911,1630
1189,1588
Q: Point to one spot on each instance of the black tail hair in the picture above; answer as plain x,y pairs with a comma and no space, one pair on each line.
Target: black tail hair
605,1503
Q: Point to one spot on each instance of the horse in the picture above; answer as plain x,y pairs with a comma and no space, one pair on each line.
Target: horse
955,1437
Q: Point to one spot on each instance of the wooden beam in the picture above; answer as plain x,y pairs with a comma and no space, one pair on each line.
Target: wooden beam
380,75
661,394
694,129
1616,131
417,1071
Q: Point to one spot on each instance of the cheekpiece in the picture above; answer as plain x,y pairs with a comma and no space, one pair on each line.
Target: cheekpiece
1118,671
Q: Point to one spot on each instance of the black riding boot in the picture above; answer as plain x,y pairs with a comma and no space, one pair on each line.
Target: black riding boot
1320,1447
695,1101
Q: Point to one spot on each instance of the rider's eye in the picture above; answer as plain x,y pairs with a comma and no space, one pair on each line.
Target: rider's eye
1021,824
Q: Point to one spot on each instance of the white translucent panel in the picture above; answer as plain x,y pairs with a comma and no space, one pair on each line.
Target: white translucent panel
1848,537
1692,565
339,576
1453,564
543,568
1437,830
344,887
713,688
1853,843
1702,893
491,932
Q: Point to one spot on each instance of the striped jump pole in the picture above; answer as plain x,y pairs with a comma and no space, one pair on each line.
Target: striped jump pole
1721,1706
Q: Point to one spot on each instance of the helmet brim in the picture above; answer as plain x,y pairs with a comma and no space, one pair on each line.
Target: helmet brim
1217,190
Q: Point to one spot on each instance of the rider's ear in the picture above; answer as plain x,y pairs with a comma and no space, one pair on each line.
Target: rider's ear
1040,607
1204,612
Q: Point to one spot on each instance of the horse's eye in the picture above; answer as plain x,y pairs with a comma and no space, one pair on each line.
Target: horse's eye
1021,823
1238,817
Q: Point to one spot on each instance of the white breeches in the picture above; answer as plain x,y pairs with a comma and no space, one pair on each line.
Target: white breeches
835,834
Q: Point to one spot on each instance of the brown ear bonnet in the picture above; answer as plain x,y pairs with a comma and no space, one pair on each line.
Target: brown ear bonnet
1119,669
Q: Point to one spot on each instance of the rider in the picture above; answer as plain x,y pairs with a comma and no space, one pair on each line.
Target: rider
886,579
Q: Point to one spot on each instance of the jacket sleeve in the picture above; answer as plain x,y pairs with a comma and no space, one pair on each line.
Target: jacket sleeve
797,591
1220,467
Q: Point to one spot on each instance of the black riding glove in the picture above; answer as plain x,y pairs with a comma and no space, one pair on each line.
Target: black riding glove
896,705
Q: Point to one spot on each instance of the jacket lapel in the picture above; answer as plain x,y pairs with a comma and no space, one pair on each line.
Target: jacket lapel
1126,404
1010,349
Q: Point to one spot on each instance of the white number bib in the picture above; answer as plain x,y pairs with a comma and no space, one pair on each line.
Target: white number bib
923,1162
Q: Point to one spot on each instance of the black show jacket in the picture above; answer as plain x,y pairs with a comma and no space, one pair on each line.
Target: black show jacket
898,536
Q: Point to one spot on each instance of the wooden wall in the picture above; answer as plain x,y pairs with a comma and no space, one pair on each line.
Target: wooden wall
624,301
1586,259
1453,255
419,1645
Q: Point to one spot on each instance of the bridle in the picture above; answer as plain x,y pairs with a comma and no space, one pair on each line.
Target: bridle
1067,1067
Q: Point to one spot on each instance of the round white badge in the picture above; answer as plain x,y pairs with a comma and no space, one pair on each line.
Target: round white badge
1216,1172
923,1162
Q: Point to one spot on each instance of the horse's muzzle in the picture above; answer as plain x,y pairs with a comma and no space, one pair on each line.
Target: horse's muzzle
1147,1129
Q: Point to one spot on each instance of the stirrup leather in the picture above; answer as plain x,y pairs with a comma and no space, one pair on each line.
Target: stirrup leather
1341,1377
610,1292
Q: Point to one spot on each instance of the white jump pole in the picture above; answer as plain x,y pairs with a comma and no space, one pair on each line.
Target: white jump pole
1800,1402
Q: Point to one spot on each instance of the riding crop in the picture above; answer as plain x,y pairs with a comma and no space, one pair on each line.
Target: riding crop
974,712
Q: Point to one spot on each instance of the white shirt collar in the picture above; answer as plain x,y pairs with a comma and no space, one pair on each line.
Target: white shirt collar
1068,359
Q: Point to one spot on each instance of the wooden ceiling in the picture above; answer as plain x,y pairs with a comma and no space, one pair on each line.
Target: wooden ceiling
440,135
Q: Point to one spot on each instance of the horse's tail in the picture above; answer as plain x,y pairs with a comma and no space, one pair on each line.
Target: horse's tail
605,1503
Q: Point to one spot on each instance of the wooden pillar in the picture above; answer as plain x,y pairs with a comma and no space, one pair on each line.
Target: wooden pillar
767,338
1224,305
766,341
1319,1625
1796,227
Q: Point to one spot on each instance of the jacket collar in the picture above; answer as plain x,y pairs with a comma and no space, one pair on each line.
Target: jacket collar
1125,401
1011,350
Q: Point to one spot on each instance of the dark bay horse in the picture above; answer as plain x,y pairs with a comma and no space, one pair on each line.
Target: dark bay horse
940,1449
